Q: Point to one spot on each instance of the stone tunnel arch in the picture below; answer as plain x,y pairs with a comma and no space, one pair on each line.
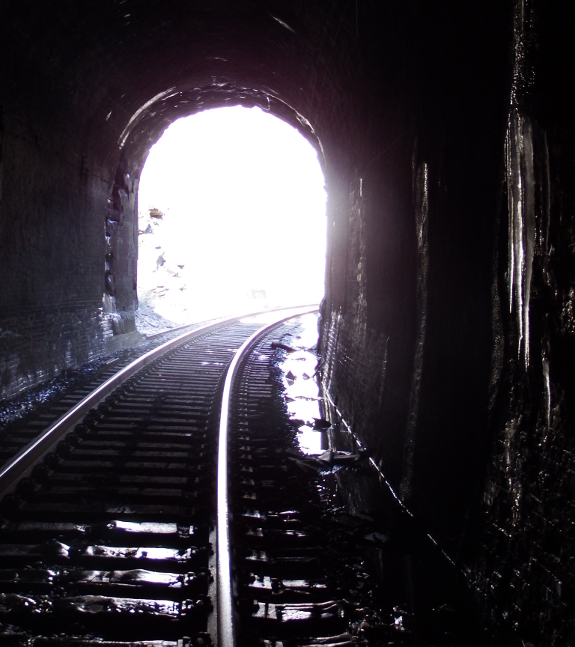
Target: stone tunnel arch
142,131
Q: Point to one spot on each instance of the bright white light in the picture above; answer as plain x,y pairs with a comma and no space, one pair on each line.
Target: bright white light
244,203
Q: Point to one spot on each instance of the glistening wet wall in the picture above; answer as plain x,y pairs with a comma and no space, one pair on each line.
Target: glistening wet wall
476,434
448,332
524,526
446,140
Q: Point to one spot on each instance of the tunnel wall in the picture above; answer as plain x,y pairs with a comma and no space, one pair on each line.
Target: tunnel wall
447,332
437,125
54,194
522,532
407,333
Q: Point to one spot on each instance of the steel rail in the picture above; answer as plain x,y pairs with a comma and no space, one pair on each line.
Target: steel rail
226,626
27,457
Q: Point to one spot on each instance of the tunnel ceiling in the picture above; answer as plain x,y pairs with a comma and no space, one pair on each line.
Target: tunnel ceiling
321,66
109,59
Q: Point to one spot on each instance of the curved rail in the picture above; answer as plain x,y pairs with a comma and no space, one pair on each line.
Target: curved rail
23,462
225,602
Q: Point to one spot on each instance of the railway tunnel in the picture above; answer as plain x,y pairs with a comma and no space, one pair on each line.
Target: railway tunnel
446,140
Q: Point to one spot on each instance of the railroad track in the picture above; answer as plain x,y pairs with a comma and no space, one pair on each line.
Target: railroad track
173,507
109,520
25,417
283,595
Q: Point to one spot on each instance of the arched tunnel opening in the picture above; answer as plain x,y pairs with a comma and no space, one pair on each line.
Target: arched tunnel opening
446,140
146,126
231,218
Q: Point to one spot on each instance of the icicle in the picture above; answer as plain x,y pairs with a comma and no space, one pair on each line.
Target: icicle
520,189
528,231
547,386
510,207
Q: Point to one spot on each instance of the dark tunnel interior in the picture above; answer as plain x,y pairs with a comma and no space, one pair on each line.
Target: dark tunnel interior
445,134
